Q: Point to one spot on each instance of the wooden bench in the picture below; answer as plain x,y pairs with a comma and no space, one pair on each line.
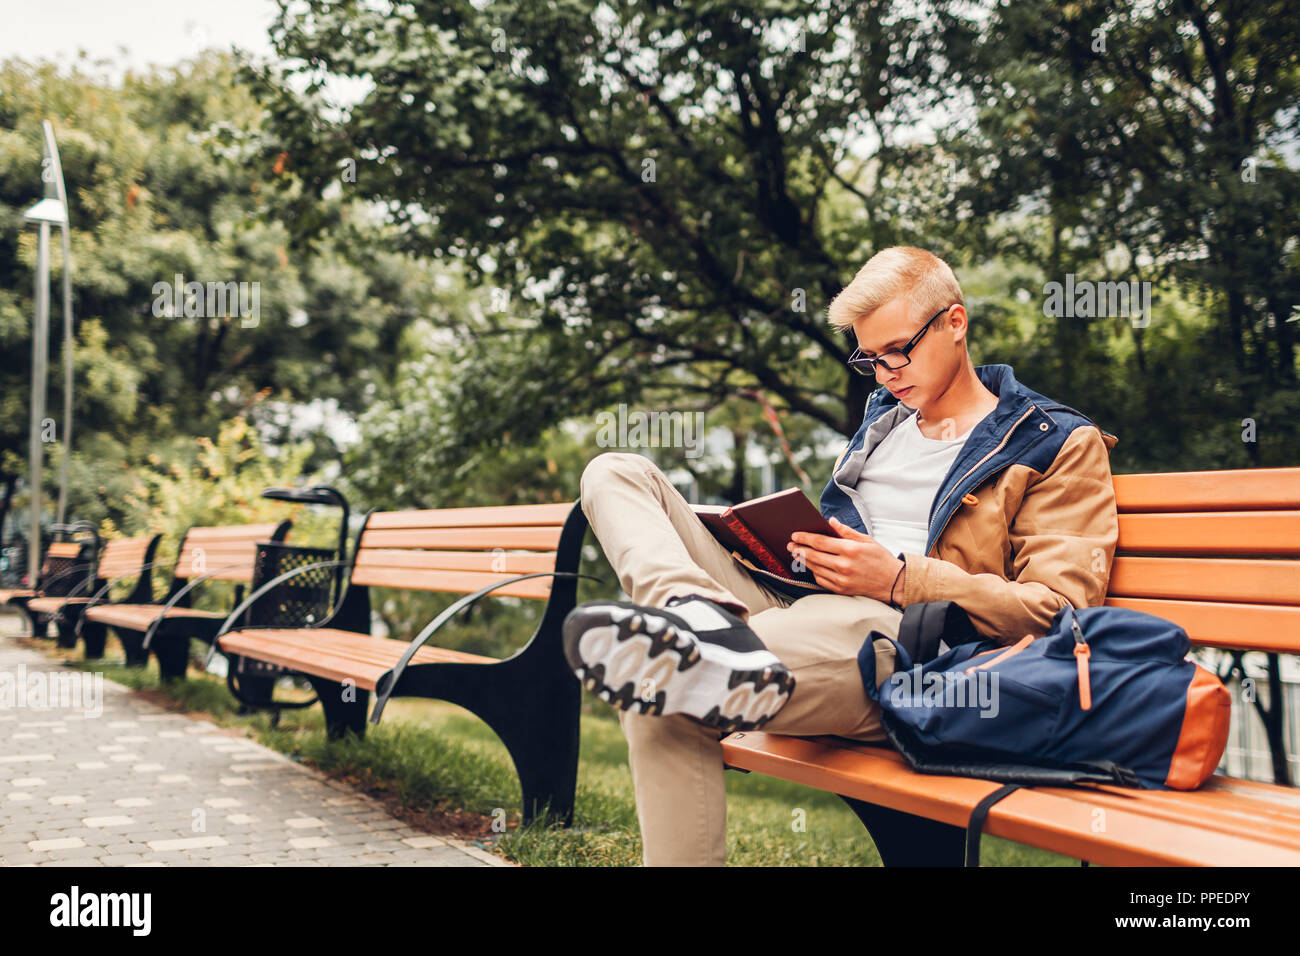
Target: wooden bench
531,700
1218,553
120,559
64,570
221,553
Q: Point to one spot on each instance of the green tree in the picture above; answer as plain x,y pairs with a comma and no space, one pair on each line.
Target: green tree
661,197
166,176
1165,133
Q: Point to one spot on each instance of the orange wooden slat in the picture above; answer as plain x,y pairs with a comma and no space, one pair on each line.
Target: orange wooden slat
538,538
8,595
1215,805
122,559
241,574
233,561
220,547
507,562
123,556
138,617
318,663
1252,627
220,565
238,575
133,548
461,582
335,655
111,572
51,605
1207,579
1044,817
507,515
1229,533
357,647
363,647
1239,489
214,558
236,532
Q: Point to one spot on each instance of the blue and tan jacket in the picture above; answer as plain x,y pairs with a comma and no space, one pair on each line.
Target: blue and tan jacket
1023,524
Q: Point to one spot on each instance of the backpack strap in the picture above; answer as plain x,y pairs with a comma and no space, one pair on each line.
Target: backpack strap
977,817
924,625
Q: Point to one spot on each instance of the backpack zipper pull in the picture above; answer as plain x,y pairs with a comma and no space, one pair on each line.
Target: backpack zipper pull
1081,656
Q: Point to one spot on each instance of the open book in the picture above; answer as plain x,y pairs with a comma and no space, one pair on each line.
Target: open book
757,531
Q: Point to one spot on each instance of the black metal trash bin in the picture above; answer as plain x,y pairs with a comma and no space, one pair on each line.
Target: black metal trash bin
301,601
66,577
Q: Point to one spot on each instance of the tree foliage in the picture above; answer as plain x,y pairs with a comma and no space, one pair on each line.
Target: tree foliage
165,176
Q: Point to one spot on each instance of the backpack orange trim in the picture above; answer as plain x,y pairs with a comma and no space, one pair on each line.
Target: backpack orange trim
1010,651
1082,655
1204,736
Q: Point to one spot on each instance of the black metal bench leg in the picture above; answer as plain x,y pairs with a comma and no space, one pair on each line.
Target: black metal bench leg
535,710
904,839
345,707
94,636
173,655
132,647
542,737
67,633
39,622
260,690
1274,719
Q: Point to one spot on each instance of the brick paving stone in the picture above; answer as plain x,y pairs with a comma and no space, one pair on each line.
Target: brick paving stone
138,785
58,843
424,842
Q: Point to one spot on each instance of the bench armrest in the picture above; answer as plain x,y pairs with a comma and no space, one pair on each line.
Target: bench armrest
384,689
228,624
95,598
190,585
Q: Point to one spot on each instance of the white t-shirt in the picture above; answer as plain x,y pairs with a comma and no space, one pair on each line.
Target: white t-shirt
898,483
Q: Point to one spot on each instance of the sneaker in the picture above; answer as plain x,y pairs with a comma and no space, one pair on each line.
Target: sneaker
692,657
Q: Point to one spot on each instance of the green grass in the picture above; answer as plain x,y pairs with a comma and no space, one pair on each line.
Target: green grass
433,756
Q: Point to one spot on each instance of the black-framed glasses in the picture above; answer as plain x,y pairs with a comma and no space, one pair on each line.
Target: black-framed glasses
894,359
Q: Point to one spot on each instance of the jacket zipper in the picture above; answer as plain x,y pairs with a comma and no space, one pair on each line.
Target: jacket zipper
772,574
1005,438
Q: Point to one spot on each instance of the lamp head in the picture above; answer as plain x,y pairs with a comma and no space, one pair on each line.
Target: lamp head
48,210
314,495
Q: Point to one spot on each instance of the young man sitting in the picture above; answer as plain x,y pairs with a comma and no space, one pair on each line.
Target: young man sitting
960,485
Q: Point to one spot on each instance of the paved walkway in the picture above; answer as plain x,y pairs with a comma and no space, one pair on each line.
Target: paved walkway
110,779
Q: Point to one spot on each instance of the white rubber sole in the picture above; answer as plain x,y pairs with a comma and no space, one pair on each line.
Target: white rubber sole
634,658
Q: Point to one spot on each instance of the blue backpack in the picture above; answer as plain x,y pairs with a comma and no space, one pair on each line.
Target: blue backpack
1105,696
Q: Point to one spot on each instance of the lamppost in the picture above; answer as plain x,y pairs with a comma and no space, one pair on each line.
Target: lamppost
52,210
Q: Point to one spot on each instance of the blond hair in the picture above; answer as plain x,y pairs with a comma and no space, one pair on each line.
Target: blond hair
923,278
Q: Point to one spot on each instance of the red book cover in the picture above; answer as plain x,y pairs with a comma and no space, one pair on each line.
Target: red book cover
756,547
761,527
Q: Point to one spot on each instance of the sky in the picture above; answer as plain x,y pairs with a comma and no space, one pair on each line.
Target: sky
133,34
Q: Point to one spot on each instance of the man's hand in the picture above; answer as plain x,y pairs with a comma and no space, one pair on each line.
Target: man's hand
852,564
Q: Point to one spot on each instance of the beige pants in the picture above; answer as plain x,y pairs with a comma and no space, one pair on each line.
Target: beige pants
660,549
